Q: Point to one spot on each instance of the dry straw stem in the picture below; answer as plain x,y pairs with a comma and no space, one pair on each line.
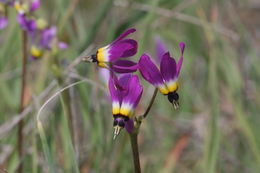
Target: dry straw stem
9,125
183,17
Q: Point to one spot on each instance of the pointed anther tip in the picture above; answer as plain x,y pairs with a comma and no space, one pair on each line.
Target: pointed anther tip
175,105
117,130
86,59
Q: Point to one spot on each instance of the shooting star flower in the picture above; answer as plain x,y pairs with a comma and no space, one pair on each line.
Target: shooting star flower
109,56
165,79
125,95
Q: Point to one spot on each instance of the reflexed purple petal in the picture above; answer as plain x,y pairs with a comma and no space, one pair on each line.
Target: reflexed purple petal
124,66
125,34
134,93
122,49
62,45
121,84
26,24
160,49
35,5
129,125
47,37
168,67
114,92
182,47
3,22
149,70
124,80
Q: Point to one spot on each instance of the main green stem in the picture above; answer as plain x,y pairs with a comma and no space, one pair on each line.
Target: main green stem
135,151
134,134
22,101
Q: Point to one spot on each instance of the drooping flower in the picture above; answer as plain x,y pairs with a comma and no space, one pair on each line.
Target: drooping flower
125,95
27,24
47,41
24,16
26,7
109,56
165,79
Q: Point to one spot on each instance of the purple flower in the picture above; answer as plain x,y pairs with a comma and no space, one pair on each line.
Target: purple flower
165,79
108,56
35,5
3,22
26,24
125,95
26,7
47,37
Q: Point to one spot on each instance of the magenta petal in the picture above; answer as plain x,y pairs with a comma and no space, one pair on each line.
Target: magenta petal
134,93
179,65
122,83
47,36
124,66
122,49
115,94
35,5
125,34
149,70
129,126
168,67
160,49
26,24
124,80
3,22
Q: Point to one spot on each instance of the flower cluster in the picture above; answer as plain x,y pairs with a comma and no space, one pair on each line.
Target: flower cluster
42,36
126,89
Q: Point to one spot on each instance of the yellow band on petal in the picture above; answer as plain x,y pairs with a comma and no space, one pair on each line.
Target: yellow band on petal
172,86
35,52
102,64
115,108
163,89
100,55
124,111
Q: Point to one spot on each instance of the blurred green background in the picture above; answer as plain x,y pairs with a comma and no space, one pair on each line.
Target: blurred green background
216,128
